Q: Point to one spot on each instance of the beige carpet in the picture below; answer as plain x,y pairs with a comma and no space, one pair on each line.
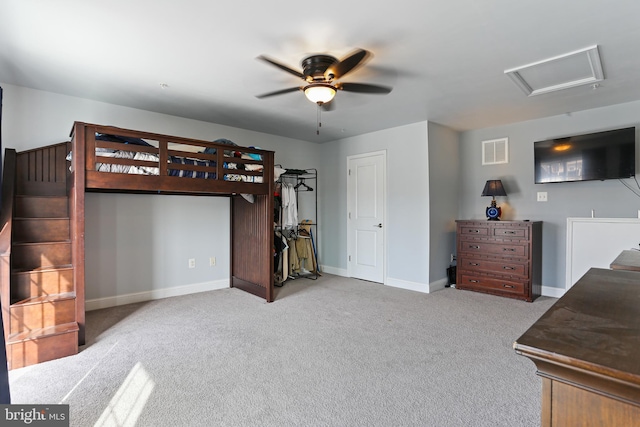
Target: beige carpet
331,352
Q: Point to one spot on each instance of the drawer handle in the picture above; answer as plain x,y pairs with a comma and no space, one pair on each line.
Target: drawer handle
475,264
506,267
474,231
508,286
509,232
474,247
509,249
473,281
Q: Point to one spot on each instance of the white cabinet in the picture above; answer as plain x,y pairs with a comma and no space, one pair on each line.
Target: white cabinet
596,242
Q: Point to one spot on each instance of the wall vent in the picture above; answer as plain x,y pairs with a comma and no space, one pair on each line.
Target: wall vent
495,151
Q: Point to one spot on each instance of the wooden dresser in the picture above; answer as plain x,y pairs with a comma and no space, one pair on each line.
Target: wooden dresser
500,257
587,351
627,260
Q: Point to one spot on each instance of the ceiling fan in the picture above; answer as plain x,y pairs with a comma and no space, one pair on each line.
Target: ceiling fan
321,74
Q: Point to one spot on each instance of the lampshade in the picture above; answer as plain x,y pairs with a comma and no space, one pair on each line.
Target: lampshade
494,188
320,92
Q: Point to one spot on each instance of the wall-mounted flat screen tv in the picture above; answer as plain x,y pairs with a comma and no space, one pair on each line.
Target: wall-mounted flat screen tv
594,156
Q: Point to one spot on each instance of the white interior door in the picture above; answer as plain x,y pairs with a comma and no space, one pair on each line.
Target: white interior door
366,203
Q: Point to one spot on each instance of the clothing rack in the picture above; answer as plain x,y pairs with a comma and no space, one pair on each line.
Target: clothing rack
299,228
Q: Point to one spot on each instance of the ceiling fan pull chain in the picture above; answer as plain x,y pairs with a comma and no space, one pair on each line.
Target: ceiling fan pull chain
318,120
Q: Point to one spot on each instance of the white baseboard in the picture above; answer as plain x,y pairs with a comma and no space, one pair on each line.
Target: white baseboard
333,270
98,303
438,285
395,283
549,291
405,284
418,287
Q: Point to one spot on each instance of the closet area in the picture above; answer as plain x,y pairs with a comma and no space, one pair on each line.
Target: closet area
296,222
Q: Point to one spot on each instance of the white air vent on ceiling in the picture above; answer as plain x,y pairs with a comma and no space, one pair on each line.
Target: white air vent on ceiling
495,151
576,68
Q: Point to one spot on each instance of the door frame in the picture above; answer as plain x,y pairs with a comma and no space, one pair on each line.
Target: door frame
350,242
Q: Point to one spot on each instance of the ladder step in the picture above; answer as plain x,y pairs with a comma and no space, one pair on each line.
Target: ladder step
44,299
43,332
42,312
41,345
41,281
41,206
29,256
39,230
42,269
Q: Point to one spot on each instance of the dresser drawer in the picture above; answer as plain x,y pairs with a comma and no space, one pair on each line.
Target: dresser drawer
487,247
473,230
504,267
490,284
521,233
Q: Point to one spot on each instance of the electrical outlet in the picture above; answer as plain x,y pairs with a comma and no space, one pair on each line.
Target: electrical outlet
212,261
453,257
542,196
192,263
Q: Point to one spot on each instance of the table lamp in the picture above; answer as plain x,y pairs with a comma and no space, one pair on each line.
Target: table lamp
493,188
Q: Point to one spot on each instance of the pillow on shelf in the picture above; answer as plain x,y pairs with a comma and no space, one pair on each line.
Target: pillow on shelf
122,139
212,150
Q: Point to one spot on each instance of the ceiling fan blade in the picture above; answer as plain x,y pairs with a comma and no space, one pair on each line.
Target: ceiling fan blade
349,63
279,92
363,88
281,66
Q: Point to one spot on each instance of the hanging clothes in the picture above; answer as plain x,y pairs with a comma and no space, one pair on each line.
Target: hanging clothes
294,261
306,255
289,206
299,259
281,259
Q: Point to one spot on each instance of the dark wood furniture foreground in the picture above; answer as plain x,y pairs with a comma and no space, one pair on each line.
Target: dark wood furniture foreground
42,259
500,257
587,350
627,260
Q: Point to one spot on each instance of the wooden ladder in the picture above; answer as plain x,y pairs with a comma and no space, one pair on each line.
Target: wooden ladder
42,322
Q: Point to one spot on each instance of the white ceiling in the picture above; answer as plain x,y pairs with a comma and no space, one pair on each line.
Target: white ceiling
445,59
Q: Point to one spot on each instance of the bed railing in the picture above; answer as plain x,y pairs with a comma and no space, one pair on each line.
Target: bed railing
214,167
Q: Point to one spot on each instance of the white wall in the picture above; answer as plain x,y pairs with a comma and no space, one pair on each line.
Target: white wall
141,243
407,216
123,259
576,199
444,174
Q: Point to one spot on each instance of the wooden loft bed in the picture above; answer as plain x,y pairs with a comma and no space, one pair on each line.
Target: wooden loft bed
252,223
109,159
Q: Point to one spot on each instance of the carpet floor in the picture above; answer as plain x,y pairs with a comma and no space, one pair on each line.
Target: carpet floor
329,352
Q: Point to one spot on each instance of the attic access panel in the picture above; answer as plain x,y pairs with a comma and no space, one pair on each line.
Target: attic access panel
572,69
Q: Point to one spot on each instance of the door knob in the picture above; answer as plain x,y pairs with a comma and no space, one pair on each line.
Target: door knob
379,225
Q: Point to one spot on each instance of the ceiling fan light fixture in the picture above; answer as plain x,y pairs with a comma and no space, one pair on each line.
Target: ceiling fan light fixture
320,93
